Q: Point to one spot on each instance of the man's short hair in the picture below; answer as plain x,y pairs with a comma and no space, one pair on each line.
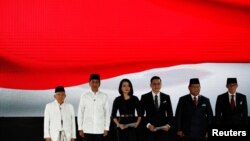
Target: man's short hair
154,77
94,76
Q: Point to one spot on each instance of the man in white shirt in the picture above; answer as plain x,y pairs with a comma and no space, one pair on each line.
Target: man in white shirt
93,112
59,118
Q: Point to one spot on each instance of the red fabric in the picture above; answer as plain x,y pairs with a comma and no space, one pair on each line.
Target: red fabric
232,103
45,43
195,101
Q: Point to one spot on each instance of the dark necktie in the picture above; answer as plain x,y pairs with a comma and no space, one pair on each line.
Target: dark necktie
195,101
156,102
232,103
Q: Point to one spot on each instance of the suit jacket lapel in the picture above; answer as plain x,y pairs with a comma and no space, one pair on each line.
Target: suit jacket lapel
161,100
227,101
152,100
190,99
199,100
237,101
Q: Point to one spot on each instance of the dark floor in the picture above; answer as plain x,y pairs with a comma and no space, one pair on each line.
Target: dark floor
31,129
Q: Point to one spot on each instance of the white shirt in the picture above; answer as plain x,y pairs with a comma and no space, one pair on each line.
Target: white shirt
197,97
93,113
230,97
53,118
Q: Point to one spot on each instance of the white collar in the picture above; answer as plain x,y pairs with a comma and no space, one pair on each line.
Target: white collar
58,102
231,94
195,96
94,92
158,94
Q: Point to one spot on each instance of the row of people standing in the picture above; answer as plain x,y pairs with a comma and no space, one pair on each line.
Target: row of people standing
193,114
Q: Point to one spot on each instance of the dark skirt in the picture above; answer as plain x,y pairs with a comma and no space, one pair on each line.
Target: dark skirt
128,134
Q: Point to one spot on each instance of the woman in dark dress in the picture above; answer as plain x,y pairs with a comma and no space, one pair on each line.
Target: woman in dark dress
126,104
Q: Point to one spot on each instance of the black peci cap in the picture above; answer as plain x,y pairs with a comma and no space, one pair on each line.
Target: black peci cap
194,81
231,80
59,89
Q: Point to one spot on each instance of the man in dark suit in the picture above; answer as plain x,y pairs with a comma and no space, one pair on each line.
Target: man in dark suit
194,114
231,107
159,113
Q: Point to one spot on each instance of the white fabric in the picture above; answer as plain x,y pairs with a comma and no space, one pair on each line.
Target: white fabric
93,113
62,136
52,120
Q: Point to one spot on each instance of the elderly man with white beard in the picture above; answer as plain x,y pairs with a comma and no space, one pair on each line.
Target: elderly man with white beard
59,118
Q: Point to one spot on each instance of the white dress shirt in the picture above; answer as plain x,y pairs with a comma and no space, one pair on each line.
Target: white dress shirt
93,113
197,97
59,118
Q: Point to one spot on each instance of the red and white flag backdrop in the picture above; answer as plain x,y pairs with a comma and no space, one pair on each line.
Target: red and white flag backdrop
45,43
